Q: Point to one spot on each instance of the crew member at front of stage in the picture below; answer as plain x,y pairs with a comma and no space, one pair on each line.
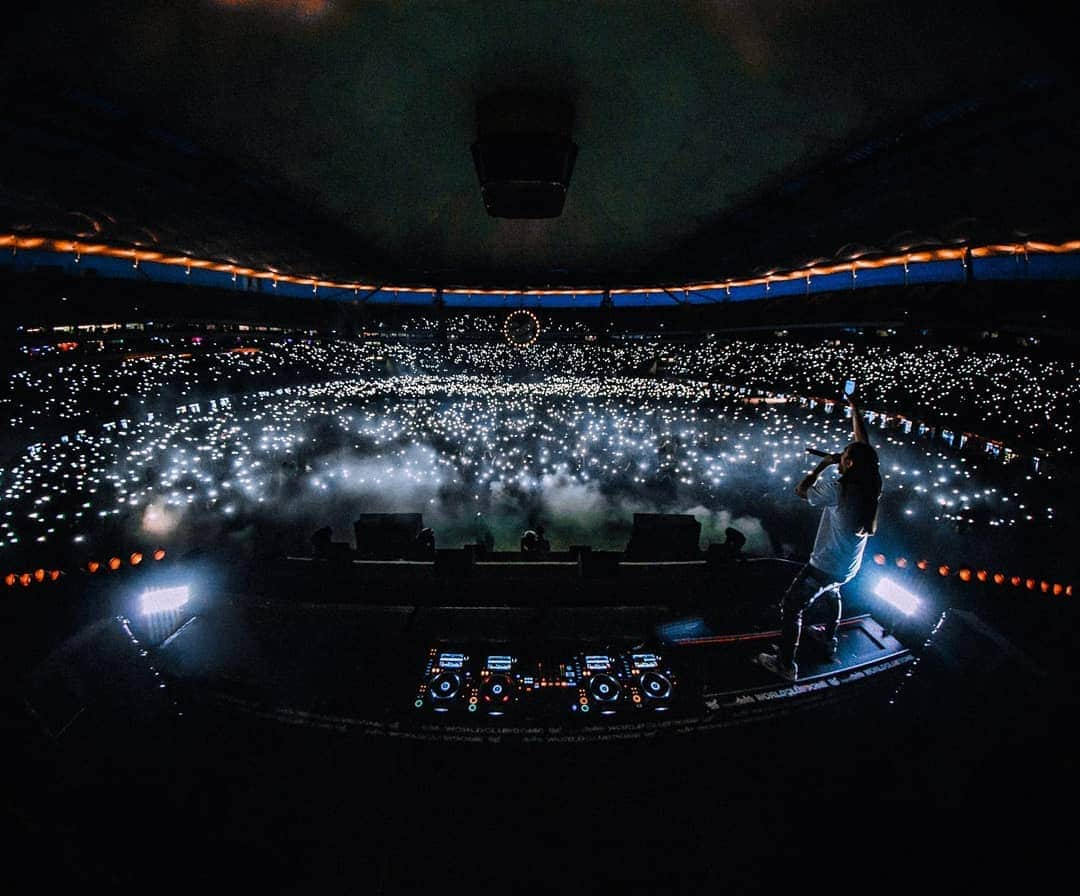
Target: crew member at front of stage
849,505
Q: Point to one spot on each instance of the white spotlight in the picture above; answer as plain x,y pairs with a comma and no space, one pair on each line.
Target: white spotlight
906,602
163,600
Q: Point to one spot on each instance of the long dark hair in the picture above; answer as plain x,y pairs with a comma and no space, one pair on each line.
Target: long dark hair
860,489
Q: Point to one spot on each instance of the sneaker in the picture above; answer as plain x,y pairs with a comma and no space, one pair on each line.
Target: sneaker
777,667
828,646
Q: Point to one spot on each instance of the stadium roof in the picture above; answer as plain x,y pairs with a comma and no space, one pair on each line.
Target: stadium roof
716,140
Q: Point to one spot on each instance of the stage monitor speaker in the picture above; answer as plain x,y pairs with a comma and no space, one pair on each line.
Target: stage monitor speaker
387,536
664,536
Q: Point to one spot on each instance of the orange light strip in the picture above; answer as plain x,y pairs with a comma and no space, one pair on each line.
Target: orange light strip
41,575
1020,248
967,574
137,255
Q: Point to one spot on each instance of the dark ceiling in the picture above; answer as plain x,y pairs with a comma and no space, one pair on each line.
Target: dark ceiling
716,139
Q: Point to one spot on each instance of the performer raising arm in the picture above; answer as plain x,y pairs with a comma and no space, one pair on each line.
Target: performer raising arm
849,503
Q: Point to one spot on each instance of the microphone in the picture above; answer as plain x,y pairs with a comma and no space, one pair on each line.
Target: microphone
817,453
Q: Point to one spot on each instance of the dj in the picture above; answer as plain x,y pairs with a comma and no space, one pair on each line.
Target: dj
849,505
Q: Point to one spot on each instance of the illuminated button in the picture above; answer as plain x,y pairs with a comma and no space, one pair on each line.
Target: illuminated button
584,707
472,707
418,703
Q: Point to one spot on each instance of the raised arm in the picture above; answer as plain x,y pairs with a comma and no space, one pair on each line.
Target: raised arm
858,425
803,488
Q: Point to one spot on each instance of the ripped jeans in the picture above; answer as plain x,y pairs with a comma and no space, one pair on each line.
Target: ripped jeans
810,584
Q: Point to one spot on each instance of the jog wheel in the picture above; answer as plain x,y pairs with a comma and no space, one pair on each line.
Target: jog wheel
604,688
444,687
655,686
496,692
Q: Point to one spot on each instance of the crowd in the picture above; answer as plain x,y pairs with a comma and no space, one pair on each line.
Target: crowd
1026,403
577,453
573,435
42,392
1010,397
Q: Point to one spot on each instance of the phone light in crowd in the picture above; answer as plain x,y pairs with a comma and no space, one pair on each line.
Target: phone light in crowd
906,602
164,600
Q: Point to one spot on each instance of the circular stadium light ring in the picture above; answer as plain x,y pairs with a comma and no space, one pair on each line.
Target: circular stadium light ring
521,328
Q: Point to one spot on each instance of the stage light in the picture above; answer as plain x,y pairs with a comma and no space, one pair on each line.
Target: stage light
163,600
136,558
114,563
93,566
159,554
906,602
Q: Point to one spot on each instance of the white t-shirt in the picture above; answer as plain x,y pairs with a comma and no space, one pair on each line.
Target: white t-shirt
837,552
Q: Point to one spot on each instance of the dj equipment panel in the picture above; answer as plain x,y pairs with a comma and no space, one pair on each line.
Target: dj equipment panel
474,681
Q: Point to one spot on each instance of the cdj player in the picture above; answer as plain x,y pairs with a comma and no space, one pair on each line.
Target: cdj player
474,680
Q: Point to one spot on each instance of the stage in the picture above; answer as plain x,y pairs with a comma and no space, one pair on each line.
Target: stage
287,738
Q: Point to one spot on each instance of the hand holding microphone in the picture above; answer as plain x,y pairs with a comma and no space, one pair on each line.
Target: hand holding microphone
832,458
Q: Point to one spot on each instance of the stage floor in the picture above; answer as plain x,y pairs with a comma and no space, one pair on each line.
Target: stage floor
276,741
